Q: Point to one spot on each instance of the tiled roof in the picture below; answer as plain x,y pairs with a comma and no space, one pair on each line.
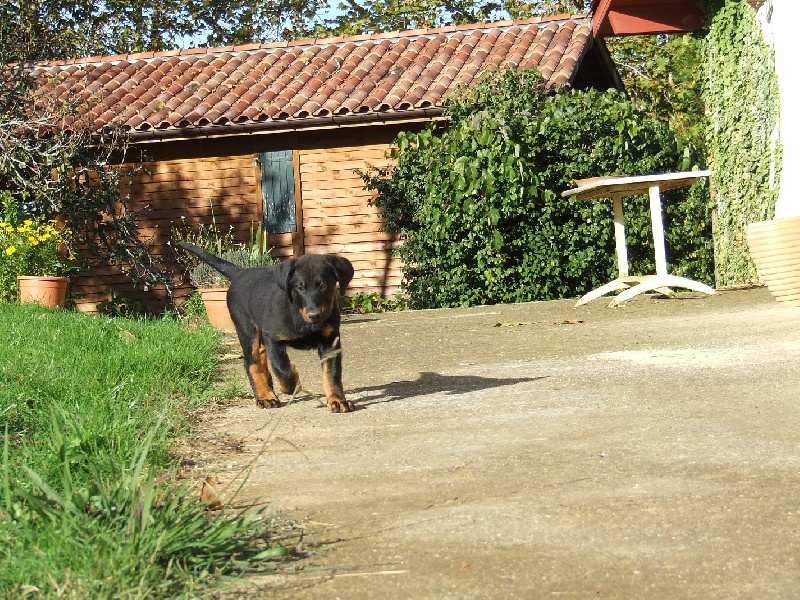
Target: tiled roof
397,75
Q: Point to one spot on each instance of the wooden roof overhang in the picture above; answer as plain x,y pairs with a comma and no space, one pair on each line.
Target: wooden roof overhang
637,17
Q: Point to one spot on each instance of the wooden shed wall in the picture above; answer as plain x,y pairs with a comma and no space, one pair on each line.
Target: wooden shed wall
337,217
199,182
177,193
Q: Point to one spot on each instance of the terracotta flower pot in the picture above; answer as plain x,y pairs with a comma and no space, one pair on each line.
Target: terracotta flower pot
215,301
47,291
775,250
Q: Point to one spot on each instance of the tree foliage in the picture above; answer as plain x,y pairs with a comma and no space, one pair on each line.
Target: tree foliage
106,27
353,17
478,204
47,172
663,73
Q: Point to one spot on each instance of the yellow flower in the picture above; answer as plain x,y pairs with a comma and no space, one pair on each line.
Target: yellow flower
10,250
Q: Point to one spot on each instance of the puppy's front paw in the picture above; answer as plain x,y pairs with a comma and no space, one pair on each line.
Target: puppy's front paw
340,405
268,402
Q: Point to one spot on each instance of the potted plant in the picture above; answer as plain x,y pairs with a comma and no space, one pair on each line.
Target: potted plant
210,283
34,264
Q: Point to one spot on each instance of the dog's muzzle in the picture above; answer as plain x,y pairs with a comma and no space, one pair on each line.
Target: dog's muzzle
314,316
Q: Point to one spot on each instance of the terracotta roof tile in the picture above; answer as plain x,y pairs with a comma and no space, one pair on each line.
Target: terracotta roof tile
173,93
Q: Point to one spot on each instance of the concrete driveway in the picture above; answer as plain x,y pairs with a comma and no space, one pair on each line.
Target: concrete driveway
538,451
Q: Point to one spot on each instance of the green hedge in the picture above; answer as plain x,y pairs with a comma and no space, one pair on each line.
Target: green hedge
479,204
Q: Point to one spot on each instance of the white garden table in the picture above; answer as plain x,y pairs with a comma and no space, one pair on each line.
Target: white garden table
616,188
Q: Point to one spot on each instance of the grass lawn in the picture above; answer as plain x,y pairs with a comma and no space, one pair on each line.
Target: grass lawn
91,504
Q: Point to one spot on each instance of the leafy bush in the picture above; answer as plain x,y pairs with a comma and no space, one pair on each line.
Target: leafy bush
479,209
194,307
740,91
364,303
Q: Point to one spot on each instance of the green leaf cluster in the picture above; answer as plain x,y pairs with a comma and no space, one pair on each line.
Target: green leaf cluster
478,203
664,73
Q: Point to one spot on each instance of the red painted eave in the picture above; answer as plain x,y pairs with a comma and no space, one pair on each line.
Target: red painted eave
637,17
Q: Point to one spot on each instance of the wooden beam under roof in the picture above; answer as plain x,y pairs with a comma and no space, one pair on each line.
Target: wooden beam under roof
638,17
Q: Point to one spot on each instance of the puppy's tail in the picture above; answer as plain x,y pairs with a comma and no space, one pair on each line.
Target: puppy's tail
223,266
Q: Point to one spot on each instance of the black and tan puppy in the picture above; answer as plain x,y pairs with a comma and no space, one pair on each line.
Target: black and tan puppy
295,304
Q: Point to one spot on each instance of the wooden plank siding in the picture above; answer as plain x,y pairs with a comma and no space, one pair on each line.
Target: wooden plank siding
179,193
188,184
338,218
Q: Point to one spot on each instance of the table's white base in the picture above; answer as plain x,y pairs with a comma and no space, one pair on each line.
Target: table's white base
633,286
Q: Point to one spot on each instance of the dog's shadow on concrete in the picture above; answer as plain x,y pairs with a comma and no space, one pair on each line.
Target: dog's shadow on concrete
430,383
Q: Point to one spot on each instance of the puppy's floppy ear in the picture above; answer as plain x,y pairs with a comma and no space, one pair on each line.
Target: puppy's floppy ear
343,269
284,273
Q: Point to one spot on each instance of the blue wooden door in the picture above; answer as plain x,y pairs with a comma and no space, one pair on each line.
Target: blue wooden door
277,191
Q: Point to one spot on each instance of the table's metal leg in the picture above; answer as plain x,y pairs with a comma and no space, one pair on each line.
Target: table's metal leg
622,257
619,236
658,230
659,281
662,278
611,286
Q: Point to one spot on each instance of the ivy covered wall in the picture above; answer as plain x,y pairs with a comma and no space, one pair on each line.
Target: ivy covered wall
740,91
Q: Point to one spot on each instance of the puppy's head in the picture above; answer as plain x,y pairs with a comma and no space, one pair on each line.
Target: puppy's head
310,282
